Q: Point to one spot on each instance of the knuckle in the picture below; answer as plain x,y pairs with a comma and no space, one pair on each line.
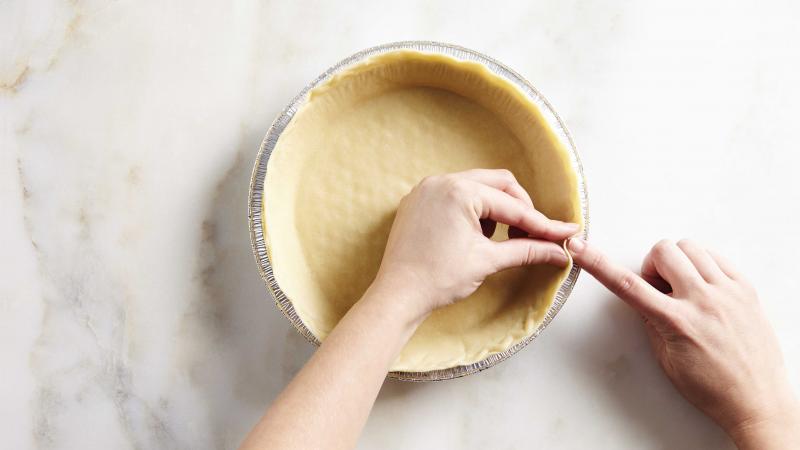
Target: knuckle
429,181
701,289
626,283
661,248
531,254
459,185
711,310
705,297
662,245
713,314
597,262
456,189
449,177
507,174
687,244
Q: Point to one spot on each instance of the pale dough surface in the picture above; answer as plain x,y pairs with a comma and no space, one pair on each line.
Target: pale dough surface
359,143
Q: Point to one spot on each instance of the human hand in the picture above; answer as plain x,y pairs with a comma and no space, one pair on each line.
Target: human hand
710,336
437,249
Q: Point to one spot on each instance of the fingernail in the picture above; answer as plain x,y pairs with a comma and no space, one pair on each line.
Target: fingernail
576,244
571,227
560,257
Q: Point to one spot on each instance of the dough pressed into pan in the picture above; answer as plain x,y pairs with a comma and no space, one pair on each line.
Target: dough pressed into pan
358,144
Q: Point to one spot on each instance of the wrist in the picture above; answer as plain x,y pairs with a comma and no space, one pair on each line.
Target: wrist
776,428
398,300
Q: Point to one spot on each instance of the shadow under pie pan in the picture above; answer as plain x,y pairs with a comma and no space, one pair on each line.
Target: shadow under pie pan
338,159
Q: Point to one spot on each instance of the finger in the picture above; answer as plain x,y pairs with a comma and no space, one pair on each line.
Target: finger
725,266
671,264
497,205
524,252
703,262
622,282
650,275
501,179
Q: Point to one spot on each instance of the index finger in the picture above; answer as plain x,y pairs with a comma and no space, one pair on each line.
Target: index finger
498,205
499,179
625,284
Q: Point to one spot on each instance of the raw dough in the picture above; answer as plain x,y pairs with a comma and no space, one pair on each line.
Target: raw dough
359,143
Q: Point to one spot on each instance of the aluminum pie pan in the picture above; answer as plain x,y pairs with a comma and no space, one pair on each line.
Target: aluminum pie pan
256,194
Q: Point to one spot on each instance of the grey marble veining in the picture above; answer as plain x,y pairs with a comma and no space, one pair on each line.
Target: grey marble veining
131,311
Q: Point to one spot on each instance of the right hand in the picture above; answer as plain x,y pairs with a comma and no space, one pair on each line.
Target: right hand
710,336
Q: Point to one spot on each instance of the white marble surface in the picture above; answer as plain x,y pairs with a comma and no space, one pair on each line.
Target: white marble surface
131,311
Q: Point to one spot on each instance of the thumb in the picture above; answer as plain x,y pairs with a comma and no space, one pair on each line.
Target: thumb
525,251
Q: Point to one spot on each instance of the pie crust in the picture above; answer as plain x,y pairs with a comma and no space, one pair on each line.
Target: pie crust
359,143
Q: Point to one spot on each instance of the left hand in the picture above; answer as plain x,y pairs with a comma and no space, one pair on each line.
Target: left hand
435,255
436,247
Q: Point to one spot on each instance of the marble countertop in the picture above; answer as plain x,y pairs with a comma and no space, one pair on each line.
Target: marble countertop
131,311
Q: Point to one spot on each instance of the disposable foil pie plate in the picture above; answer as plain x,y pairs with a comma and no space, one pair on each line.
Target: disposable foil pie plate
260,245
